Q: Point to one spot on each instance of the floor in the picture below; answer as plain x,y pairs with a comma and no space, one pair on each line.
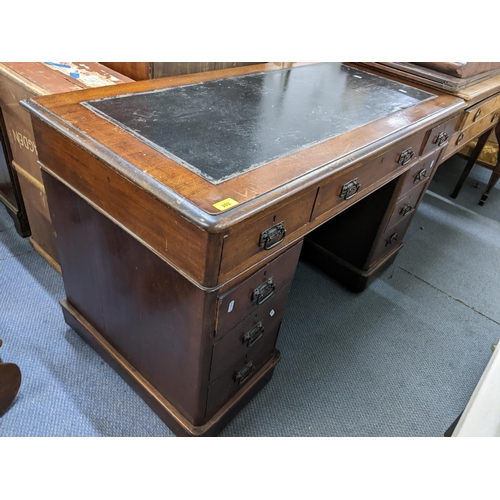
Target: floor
400,359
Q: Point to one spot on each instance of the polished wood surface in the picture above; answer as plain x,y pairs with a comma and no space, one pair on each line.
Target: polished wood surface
185,300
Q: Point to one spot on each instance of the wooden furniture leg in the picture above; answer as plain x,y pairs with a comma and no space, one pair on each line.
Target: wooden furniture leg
495,175
10,381
472,160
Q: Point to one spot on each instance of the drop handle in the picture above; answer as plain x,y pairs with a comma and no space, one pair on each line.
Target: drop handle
242,376
253,335
272,236
349,189
406,156
263,292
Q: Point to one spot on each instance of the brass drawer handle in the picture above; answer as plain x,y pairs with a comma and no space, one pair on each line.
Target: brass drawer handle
406,210
494,117
477,115
459,138
441,139
392,239
253,335
406,156
420,176
263,292
242,376
272,236
349,189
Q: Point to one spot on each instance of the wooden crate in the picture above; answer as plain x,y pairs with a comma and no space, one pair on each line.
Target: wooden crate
20,82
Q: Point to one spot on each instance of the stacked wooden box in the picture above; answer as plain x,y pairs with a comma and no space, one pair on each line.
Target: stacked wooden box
20,82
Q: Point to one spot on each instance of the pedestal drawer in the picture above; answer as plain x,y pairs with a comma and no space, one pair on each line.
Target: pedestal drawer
405,206
420,173
391,238
236,377
245,298
247,337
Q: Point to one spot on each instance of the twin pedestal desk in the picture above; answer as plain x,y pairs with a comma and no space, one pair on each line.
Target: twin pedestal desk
182,205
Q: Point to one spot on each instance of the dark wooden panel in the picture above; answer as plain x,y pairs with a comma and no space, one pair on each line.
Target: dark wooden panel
154,317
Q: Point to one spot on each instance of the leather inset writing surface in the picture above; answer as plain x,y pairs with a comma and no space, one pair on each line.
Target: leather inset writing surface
222,128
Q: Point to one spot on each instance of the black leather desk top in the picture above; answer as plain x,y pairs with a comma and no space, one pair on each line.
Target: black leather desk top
222,128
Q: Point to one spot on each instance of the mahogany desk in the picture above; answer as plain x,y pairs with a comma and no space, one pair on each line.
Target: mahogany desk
182,205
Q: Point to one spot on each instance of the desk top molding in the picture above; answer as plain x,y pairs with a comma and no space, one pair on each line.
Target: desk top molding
194,197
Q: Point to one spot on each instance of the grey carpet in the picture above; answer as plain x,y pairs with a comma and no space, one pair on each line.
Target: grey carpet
400,359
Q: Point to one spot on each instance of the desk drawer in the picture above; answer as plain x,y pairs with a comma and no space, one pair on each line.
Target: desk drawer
238,376
256,290
439,136
247,337
420,173
349,186
392,237
406,205
264,236
479,111
462,137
